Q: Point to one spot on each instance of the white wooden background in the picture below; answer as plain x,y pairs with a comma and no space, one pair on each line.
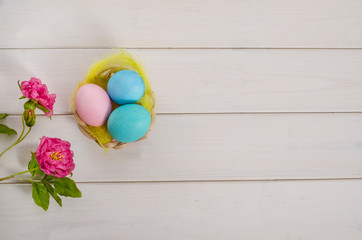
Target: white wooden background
259,132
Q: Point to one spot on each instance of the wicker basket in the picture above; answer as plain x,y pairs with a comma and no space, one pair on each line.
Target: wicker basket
99,74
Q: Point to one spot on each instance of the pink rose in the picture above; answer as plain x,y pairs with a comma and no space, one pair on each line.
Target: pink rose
34,89
55,157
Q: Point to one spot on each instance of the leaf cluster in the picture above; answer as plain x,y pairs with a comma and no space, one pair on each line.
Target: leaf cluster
50,186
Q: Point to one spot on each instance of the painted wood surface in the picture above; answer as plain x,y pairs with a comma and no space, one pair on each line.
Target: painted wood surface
191,23
310,210
259,126
206,81
212,147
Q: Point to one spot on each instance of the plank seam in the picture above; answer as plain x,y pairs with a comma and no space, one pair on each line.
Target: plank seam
214,113
183,48
202,181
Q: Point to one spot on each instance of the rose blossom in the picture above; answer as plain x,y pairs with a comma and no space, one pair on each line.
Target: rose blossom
34,89
55,157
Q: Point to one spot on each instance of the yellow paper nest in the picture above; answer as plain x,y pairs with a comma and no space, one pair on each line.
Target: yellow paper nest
99,74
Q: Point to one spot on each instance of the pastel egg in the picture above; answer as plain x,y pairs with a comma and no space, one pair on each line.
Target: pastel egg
93,104
125,87
129,122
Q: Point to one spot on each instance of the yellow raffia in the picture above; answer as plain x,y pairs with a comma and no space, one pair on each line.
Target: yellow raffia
99,74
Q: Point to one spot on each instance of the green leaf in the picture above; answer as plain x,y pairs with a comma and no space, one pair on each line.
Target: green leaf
67,188
3,115
6,130
40,195
42,108
19,85
52,193
33,163
22,97
50,177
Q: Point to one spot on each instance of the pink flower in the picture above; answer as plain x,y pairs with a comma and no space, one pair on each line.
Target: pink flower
34,89
55,157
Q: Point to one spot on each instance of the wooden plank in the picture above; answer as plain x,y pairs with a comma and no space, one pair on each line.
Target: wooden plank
197,23
311,210
204,81
210,147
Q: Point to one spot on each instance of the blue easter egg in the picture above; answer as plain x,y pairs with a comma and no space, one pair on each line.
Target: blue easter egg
125,87
129,122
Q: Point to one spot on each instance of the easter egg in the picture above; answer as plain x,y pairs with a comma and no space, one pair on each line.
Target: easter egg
93,104
125,87
129,122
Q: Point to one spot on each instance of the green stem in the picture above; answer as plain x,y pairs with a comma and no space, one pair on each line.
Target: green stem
23,122
16,174
28,180
16,142
25,135
20,138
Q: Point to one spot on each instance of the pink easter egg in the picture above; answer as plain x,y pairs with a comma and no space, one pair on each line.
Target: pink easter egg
93,104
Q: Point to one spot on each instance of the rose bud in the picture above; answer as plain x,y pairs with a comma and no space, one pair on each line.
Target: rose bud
29,117
29,105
